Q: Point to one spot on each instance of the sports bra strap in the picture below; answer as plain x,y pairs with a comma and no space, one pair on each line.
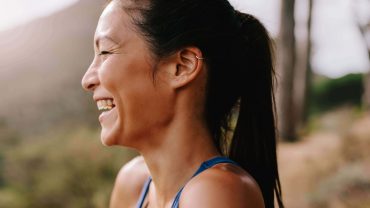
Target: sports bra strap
144,192
211,162
204,166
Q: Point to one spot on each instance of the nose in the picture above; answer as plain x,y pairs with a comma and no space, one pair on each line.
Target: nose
90,80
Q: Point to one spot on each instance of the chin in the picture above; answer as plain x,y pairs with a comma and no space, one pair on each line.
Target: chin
106,139
113,134
110,128
110,136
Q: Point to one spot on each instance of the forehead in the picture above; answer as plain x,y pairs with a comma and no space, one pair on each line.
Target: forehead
114,22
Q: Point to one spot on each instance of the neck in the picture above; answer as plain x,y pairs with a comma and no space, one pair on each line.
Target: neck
182,148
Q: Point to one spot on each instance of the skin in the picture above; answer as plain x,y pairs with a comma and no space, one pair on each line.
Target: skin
163,119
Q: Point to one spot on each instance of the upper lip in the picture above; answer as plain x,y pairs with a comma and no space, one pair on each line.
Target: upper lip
97,98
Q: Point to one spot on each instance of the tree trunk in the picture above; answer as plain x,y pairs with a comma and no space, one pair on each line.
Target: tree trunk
286,56
364,28
304,75
366,96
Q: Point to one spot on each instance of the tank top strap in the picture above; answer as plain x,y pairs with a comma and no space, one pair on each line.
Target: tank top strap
211,162
204,166
144,192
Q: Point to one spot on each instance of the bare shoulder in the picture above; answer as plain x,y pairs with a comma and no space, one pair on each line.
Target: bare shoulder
221,186
129,182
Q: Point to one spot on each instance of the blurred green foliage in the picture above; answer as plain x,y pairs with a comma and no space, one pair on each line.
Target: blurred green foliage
329,93
61,168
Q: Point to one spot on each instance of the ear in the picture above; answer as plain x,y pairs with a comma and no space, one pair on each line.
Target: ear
184,66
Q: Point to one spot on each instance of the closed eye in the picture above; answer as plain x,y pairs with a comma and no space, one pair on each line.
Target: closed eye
104,53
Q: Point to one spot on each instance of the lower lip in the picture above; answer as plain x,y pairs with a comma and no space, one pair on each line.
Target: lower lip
104,115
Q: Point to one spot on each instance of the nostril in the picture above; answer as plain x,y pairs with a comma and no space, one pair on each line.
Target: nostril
90,87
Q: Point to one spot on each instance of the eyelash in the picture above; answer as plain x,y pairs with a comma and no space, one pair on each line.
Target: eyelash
104,53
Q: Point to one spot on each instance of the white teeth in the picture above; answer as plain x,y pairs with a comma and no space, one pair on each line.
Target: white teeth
109,102
105,104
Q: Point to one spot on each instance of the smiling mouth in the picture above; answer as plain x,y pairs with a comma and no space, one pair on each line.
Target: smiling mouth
105,104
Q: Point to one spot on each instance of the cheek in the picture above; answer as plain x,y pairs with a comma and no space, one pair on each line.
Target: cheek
110,72
124,71
131,84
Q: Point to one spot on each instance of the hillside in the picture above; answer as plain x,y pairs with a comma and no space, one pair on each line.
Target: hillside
42,65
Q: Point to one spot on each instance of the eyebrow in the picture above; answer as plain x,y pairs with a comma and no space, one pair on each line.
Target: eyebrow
99,38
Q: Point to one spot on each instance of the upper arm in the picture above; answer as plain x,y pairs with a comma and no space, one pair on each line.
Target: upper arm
219,189
128,184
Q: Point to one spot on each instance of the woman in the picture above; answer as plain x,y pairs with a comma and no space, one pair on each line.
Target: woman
171,77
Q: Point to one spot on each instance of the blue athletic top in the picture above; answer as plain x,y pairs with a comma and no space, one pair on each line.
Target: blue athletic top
204,166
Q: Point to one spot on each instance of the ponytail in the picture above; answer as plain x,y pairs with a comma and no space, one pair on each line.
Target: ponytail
253,143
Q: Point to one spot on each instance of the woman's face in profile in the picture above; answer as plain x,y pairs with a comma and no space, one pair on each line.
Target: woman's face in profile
121,79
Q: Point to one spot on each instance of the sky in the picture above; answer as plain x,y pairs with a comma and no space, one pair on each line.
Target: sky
16,12
337,45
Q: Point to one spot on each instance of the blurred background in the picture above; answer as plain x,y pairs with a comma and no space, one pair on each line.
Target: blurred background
50,150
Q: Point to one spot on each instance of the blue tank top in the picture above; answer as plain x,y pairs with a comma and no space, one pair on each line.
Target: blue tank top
204,166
